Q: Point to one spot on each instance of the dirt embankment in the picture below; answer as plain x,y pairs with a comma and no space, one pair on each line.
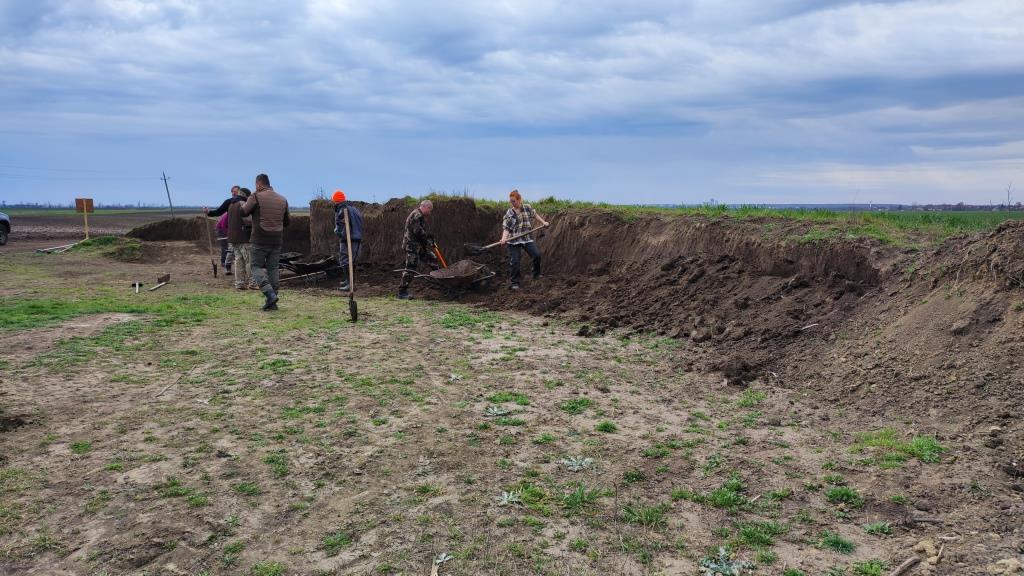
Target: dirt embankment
747,296
743,284
296,235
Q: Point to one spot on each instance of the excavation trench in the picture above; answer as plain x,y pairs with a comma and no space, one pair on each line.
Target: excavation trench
745,285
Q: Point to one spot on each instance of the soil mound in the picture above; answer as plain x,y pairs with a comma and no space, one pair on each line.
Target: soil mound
172,229
747,297
296,234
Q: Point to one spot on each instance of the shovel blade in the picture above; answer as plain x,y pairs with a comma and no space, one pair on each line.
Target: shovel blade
353,309
473,249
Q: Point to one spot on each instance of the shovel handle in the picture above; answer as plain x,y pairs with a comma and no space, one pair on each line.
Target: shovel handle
440,257
517,236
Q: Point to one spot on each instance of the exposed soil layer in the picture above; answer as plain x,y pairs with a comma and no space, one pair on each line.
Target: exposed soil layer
296,234
753,299
384,429
42,226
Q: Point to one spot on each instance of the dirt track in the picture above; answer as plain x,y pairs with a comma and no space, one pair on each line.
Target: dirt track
821,344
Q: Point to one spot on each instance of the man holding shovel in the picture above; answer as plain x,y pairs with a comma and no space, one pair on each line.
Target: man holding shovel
418,245
353,234
518,221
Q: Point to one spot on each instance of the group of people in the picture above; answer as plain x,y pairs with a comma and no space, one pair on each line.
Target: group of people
251,231
253,226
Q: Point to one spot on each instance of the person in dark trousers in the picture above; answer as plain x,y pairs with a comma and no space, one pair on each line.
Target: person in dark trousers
519,219
418,244
239,232
355,223
269,211
226,256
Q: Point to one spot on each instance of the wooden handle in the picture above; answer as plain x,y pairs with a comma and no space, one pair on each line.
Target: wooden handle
541,227
351,267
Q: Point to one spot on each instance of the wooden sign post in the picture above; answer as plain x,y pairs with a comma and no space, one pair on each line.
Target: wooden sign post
84,206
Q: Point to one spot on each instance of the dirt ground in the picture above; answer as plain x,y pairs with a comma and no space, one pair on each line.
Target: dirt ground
183,432
40,226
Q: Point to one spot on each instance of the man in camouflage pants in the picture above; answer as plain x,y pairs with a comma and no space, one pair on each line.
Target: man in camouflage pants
418,244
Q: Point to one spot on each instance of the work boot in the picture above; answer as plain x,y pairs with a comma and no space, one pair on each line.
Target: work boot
343,287
515,287
271,303
404,296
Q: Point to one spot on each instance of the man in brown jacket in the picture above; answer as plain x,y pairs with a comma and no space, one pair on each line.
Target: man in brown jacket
269,211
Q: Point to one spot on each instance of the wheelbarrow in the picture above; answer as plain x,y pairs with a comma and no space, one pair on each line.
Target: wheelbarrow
457,278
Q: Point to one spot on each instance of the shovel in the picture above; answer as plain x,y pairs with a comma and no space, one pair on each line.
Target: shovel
209,236
440,257
475,249
353,308
161,281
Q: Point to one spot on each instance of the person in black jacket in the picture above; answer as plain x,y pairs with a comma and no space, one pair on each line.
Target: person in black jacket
226,255
418,244
355,224
239,231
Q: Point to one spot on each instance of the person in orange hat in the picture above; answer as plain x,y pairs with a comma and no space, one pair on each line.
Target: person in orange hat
355,224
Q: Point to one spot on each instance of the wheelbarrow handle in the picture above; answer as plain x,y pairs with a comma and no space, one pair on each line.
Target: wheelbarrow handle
413,272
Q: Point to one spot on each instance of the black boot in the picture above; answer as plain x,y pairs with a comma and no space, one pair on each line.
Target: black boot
271,296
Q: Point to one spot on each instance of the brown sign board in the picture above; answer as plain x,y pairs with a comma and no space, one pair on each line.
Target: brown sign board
83,205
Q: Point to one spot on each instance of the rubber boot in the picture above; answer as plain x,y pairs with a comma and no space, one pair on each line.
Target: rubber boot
271,296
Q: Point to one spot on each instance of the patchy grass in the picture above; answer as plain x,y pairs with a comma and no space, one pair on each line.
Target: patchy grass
888,451
878,528
335,542
844,495
885,226
517,397
81,447
833,541
870,568
401,445
575,405
650,517
117,247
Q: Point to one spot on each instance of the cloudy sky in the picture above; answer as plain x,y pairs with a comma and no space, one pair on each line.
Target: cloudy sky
620,100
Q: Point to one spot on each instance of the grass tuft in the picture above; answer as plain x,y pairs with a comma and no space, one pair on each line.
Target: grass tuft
837,543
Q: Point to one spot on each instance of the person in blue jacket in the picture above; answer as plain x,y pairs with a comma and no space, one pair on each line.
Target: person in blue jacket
355,224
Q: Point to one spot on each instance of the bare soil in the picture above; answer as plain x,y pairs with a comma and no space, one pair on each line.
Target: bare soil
717,349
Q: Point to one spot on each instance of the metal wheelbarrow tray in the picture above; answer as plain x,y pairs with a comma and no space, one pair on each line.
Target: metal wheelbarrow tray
459,277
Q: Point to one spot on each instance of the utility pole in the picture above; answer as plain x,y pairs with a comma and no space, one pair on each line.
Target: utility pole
171,204
1008,196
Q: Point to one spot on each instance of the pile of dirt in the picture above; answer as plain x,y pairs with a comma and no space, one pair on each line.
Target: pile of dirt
748,297
997,256
296,234
742,286
172,229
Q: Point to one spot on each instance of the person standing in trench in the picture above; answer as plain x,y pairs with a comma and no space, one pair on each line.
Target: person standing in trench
418,244
518,220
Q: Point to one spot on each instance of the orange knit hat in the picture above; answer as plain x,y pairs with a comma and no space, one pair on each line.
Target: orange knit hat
339,196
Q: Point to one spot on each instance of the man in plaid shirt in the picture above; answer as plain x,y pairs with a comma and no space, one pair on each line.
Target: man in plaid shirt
519,219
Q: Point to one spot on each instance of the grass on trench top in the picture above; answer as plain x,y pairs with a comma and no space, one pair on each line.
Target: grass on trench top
885,226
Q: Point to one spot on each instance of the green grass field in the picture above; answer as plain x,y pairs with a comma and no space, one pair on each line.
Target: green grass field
890,227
